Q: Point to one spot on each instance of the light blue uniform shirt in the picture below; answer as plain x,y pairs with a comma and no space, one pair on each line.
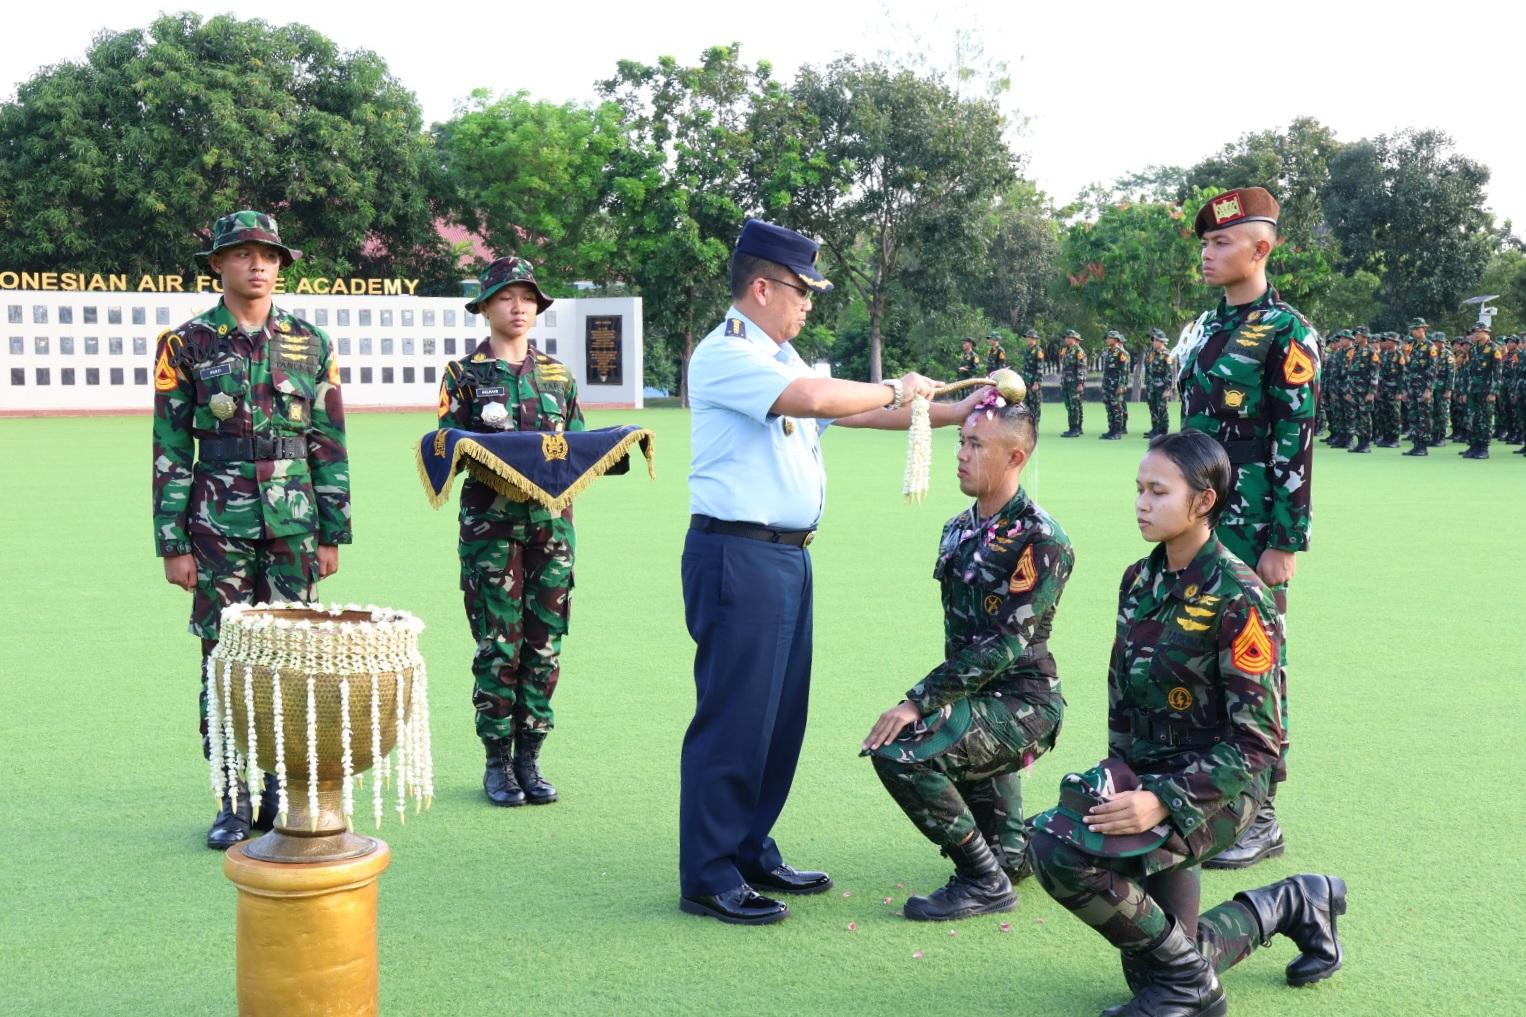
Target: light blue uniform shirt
749,465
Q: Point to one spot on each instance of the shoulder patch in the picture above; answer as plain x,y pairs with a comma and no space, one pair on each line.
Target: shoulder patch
1026,576
1251,651
1297,368
735,328
165,378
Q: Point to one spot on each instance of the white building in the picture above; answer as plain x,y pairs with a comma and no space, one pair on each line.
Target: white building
74,352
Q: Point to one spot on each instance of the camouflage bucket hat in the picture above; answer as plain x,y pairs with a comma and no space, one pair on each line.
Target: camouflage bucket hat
993,336
1113,333
1032,333
1415,323
506,272
1071,333
1078,793
1156,333
248,226
930,736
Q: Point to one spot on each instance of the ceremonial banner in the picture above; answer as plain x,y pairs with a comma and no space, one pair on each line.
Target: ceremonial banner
547,467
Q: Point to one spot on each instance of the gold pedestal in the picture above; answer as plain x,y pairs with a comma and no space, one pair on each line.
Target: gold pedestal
306,933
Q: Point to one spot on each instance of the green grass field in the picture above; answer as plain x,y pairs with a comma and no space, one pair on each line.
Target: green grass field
1407,656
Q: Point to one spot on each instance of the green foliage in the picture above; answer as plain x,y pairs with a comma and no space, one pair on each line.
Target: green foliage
1407,209
1294,164
123,160
914,169
537,179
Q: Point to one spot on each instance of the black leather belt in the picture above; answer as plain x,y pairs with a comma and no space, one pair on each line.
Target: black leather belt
1176,733
258,448
753,531
1034,651
1248,450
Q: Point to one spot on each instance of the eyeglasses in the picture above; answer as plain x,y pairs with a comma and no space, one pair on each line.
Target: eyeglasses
798,289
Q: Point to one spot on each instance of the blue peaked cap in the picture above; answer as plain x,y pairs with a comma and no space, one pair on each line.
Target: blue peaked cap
785,247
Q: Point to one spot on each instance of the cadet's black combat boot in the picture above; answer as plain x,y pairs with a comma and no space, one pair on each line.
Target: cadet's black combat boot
1071,433
1304,909
1387,443
977,887
1262,839
538,790
1181,982
232,822
270,802
1418,450
1340,440
499,780
1364,446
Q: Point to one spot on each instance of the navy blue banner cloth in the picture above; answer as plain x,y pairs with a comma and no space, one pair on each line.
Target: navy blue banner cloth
548,467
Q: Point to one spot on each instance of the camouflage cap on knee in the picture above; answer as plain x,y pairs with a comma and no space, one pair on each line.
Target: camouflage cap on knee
1078,793
245,227
507,272
931,735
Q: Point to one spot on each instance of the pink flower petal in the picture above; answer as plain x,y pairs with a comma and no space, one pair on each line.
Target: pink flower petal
916,955
952,933
852,926
1006,926
887,900
847,893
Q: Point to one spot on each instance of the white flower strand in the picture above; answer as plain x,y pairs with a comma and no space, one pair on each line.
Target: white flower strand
253,756
230,746
421,710
278,709
376,753
401,754
312,754
215,732
346,758
919,451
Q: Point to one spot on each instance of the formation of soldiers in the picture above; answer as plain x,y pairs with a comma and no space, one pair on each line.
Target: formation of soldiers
1380,389
1376,389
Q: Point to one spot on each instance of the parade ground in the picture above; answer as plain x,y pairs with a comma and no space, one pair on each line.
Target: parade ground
1406,660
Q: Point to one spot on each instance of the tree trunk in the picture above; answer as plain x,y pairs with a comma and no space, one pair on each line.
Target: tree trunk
683,368
876,366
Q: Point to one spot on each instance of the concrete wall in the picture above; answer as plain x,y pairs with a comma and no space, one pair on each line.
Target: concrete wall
94,352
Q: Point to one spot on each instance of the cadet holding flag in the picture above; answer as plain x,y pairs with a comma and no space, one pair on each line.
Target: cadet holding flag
516,556
1249,376
251,489
950,752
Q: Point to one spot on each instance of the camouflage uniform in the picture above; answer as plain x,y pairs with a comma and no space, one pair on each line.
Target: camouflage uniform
1158,375
1460,424
1419,380
1031,367
516,556
1508,427
1481,379
996,357
1386,419
1362,367
1321,410
272,479
969,364
1001,581
1442,381
1194,708
1073,383
1115,380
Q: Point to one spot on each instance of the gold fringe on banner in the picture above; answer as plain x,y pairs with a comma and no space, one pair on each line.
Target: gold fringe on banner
512,484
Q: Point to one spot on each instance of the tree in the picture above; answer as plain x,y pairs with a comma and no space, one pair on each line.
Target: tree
1407,210
124,160
913,170
1293,164
1022,244
678,219
537,179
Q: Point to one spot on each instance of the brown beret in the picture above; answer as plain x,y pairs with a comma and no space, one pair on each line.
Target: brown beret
1248,204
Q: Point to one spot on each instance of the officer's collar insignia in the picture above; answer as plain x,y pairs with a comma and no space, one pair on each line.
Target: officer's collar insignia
1190,591
222,330
1253,317
735,328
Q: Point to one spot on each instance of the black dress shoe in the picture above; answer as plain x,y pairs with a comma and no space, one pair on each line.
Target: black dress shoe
229,828
270,801
788,879
739,906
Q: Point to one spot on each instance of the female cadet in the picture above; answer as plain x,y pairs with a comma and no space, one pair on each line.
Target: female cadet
516,556
1194,733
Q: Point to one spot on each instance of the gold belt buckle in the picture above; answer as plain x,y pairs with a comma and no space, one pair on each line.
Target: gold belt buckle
808,538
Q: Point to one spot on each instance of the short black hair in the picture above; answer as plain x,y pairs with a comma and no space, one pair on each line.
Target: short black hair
1204,464
1017,420
747,267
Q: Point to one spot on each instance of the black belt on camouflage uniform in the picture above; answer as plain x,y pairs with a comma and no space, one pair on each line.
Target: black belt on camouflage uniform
1175,733
256,449
1248,450
753,531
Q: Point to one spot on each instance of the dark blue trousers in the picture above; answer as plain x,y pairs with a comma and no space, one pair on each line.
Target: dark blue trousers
748,607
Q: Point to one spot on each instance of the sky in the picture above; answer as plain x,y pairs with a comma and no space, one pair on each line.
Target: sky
1102,89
